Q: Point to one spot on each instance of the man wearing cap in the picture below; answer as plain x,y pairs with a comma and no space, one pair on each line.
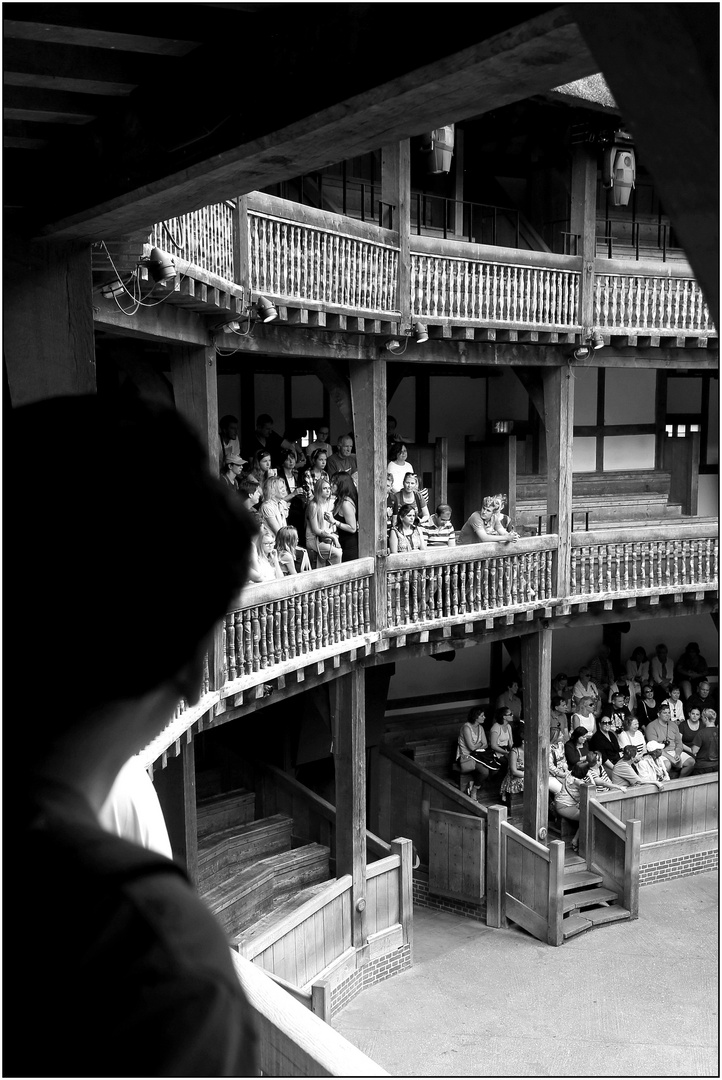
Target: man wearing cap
232,469
652,766
664,731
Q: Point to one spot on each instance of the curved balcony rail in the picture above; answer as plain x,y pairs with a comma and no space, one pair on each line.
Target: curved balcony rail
644,562
428,588
322,258
522,289
649,301
203,238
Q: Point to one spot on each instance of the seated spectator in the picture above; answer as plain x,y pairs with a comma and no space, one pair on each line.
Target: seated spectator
647,705
398,466
674,702
616,711
274,508
574,747
559,717
584,715
405,535
410,496
291,444
566,802
623,684
500,735
230,444
638,669
558,767
260,469
486,525
231,470
702,698
604,741
392,435
652,765
584,687
344,460
665,731
510,699
251,494
705,745
561,687
264,561
321,533
291,558
597,774
472,751
690,669
513,782
601,671
321,440
626,771
437,529
689,727
662,670
630,735
345,514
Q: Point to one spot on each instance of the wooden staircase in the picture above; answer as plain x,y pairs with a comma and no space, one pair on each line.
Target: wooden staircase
250,871
586,902
609,499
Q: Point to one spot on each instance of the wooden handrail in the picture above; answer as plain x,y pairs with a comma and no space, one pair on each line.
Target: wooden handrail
293,1041
471,552
467,805
297,584
260,942
325,220
642,534
613,824
679,268
486,253
383,866
525,841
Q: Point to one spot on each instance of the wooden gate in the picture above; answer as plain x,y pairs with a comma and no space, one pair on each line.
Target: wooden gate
456,855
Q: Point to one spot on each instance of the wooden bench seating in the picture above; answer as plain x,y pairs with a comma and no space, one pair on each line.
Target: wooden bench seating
640,495
220,854
223,811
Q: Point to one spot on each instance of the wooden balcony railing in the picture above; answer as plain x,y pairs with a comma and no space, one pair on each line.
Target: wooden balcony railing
640,562
497,287
650,301
296,619
433,587
322,258
296,254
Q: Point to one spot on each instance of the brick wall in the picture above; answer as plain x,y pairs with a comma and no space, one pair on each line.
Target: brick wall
683,865
383,967
422,898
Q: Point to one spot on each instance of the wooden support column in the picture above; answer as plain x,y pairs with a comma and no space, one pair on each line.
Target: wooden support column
176,788
48,337
584,224
368,402
195,388
559,423
536,652
348,719
241,247
441,470
396,189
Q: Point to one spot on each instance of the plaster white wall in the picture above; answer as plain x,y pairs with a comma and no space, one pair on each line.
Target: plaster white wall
584,454
403,406
708,505
585,396
268,391
413,678
629,395
622,452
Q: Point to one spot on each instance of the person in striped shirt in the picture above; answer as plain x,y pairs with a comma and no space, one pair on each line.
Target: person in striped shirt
437,528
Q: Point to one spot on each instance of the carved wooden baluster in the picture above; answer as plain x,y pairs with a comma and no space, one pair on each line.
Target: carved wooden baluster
707,560
285,652
492,583
277,647
478,585
338,602
303,625
349,600
453,591
392,614
317,622
354,627
342,611
262,640
256,635
229,649
485,584
574,571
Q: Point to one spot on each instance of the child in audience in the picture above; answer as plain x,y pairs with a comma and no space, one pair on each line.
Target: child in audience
292,558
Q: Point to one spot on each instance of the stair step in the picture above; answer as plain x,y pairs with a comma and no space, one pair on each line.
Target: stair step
580,879
611,914
575,924
277,912
577,900
223,811
221,854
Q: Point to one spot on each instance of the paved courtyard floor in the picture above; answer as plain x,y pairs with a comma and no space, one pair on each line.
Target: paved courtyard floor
630,999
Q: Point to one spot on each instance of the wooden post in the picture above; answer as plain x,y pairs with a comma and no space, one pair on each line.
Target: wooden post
176,788
48,339
195,389
559,424
348,718
536,665
631,867
368,402
681,457
495,867
396,189
441,470
585,825
405,849
241,247
321,999
458,217
584,224
555,918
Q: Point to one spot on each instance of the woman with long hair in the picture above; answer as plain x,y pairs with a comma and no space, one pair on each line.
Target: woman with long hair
321,536
513,782
411,496
405,535
296,495
264,561
315,471
292,558
345,514
260,464
274,508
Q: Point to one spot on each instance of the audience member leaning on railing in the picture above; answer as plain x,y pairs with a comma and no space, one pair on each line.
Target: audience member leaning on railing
264,560
489,524
345,514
